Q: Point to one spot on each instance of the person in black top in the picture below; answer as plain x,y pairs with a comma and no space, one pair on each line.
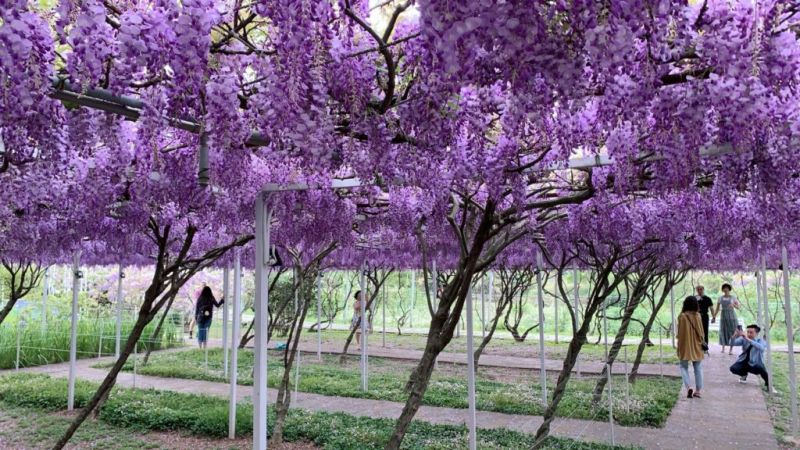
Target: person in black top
203,313
705,303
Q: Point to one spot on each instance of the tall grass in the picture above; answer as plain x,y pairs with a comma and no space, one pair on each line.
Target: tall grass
95,337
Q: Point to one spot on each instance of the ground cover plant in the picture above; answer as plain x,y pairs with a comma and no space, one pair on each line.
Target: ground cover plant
501,346
150,410
501,390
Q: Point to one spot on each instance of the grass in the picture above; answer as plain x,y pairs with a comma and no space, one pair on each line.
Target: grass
151,410
52,346
779,406
502,346
500,390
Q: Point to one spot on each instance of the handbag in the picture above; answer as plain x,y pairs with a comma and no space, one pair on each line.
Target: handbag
703,344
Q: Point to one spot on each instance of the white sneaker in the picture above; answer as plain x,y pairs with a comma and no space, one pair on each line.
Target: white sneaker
743,380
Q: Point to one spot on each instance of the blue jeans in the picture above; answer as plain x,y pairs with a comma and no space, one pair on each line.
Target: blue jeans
203,324
698,373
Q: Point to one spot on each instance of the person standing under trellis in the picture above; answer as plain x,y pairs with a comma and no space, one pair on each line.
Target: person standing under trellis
705,304
204,312
690,346
728,323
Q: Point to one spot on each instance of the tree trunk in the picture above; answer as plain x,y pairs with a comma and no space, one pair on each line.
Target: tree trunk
633,302
108,382
443,325
8,307
643,344
284,390
157,331
574,349
248,336
479,351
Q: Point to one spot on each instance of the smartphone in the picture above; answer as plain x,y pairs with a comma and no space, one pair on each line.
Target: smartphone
739,327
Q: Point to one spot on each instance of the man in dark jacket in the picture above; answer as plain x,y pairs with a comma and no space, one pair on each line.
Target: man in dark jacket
705,303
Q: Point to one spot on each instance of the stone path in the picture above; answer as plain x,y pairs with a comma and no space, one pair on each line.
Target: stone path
731,415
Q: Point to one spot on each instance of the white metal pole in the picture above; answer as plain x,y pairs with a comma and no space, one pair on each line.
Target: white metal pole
759,309
672,312
660,355
45,292
483,307
491,289
575,315
787,304
73,339
471,375
540,295
319,317
135,361
19,331
555,316
766,310
118,329
237,323
260,305
610,404
627,384
413,298
362,301
226,275
605,329
383,313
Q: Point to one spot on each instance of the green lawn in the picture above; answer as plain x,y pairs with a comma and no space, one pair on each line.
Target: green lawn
780,409
512,391
151,410
499,346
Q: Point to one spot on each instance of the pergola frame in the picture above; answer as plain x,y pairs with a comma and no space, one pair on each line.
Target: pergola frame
131,108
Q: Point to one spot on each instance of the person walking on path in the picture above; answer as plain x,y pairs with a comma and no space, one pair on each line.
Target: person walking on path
355,323
203,313
728,323
751,360
690,346
705,305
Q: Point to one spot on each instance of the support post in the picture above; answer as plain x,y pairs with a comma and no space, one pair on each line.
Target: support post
627,384
45,292
73,339
483,307
364,355
118,330
319,317
787,304
226,295
383,318
610,404
660,355
540,297
471,376
575,321
759,309
19,332
260,305
237,323
413,298
672,312
766,309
